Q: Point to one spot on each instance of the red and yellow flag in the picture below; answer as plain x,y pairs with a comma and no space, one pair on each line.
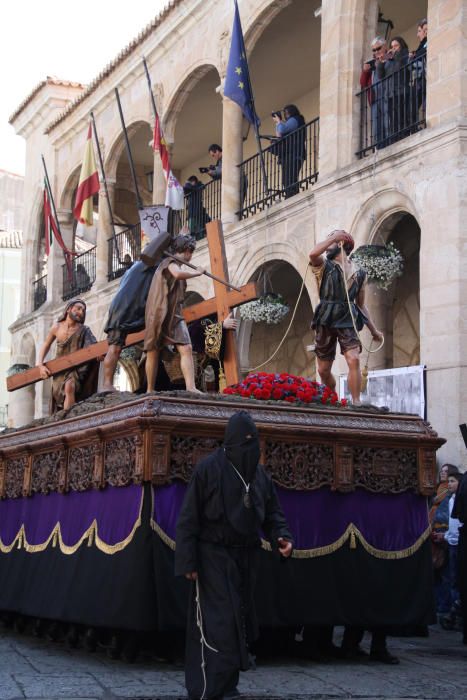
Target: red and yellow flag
88,185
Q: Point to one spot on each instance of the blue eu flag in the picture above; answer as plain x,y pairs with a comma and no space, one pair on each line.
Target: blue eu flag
237,80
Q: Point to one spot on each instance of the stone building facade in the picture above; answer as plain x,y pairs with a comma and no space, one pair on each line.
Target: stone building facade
305,52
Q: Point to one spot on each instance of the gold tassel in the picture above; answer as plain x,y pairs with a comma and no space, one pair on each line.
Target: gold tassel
91,536
353,541
222,380
55,539
364,379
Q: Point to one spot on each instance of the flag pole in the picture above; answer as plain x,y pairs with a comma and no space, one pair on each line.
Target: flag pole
128,152
148,78
104,180
49,192
66,256
255,123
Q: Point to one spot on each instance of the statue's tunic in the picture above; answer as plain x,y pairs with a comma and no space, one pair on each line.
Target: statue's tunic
165,324
85,376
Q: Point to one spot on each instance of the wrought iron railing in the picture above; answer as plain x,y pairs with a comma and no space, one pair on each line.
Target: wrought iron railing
393,106
290,165
39,292
80,274
123,250
202,205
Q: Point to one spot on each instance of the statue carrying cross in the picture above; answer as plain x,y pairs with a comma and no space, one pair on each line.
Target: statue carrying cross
226,298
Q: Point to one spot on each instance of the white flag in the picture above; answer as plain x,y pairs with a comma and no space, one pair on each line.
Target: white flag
154,220
174,196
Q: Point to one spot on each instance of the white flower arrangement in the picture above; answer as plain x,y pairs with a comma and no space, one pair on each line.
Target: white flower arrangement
381,263
270,309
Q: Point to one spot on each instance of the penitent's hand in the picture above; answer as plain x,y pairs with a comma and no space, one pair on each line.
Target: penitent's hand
44,372
285,547
192,576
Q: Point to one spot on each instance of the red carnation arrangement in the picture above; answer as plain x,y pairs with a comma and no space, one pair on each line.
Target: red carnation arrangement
267,386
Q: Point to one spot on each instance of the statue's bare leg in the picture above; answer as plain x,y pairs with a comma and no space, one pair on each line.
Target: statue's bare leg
324,371
152,365
187,366
354,377
110,365
69,390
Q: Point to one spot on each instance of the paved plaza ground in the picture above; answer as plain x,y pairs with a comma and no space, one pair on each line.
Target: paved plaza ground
434,667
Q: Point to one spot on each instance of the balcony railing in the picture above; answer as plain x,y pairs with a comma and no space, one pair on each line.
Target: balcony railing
81,274
39,292
202,205
393,107
291,165
123,250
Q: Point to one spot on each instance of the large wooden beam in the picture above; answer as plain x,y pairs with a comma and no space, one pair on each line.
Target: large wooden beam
92,352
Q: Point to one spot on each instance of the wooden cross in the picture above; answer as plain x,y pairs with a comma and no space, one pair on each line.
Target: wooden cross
222,303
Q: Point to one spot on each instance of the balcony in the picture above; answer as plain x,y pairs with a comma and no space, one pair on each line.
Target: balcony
290,165
39,292
80,275
393,108
123,249
202,205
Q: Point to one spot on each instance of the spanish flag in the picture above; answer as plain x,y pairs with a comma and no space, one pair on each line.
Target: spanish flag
88,185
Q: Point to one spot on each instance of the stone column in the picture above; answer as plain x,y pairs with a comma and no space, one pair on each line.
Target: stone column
345,29
446,60
443,211
104,231
159,185
232,155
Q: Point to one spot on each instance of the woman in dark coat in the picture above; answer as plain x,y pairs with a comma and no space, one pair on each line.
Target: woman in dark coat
230,499
396,87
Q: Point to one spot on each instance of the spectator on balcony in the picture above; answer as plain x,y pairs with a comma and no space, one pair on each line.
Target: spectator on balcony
418,70
392,67
127,261
82,279
196,212
291,148
215,170
370,82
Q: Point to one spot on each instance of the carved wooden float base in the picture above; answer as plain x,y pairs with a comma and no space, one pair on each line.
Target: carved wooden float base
120,439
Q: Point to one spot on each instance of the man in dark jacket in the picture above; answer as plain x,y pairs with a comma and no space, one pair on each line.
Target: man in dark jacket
229,501
196,212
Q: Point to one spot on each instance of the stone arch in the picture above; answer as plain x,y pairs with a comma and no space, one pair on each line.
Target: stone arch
264,14
258,341
370,216
71,182
117,146
176,100
396,312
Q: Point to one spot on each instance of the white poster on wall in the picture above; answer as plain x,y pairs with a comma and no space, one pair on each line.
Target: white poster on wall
401,389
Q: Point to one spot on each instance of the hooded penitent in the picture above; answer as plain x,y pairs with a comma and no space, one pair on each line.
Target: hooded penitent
243,509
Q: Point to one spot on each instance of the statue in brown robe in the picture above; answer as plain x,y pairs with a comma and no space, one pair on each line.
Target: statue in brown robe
70,333
164,321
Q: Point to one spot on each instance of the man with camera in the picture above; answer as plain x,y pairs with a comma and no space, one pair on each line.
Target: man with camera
290,148
214,171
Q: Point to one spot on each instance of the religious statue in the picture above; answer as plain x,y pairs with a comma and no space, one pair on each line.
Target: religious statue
165,324
126,315
341,312
70,333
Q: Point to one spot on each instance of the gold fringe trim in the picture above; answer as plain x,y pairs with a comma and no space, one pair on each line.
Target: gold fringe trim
353,534
55,537
163,535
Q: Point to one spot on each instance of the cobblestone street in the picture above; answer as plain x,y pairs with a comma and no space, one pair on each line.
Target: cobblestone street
433,667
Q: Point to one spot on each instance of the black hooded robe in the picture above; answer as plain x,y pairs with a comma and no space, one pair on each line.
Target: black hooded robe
127,309
218,536
460,511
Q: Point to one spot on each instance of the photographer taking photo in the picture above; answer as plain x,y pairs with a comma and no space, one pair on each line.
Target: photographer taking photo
290,148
